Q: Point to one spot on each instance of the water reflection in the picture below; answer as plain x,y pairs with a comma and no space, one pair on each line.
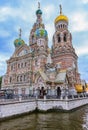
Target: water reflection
76,120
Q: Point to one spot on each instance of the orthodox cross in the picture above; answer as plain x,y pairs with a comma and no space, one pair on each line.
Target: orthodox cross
20,31
38,5
60,9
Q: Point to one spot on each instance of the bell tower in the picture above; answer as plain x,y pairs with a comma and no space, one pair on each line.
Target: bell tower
38,40
62,48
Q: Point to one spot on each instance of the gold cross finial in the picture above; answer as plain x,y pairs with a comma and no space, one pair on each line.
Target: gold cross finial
20,31
60,9
38,5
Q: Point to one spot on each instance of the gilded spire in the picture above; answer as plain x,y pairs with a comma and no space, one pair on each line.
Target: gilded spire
38,5
20,31
60,10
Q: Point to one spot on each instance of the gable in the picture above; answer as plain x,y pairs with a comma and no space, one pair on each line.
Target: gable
22,50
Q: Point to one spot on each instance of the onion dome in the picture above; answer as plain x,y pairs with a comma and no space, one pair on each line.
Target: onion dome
61,17
41,32
79,88
18,42
39,12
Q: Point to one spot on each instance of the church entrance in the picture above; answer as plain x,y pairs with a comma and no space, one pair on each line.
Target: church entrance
58,92
42,92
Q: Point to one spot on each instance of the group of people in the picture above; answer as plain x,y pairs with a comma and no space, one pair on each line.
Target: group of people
43,92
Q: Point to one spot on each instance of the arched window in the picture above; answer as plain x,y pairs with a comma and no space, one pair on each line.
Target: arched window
21,65
59,38
10,79
65,37
17,78
21,78
32,39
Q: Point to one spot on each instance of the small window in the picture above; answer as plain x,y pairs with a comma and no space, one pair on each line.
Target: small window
21,65
32,39
25,64
18,65
17,78
59,38
10,79
21,78
65,37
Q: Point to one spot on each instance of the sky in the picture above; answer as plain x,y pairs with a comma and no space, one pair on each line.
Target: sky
15,14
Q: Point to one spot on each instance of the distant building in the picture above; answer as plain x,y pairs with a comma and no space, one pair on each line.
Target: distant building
34,66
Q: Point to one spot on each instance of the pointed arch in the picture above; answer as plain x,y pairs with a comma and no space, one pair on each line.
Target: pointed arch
65,37
59,38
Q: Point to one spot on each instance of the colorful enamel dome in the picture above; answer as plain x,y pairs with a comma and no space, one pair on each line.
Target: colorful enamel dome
38,12
41,32
18,42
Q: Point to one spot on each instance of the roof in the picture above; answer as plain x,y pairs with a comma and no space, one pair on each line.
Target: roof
60,78
44,76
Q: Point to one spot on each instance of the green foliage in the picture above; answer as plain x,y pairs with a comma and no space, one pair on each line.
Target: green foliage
0,81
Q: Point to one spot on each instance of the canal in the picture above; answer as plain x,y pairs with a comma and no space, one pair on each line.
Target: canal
75,120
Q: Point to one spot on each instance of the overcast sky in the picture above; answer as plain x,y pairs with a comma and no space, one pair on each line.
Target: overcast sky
15,14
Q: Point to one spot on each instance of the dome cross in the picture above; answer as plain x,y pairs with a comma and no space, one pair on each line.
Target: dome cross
60,9
38,5
20,31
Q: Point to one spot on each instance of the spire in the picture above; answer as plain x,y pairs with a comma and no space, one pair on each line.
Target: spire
38,5
60,10
38,12
20,31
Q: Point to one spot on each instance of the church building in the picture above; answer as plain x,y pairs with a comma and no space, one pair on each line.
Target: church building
36,66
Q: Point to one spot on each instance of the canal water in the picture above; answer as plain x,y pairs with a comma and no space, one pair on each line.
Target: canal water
75,120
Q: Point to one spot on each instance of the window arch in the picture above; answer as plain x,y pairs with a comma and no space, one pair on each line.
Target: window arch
65,37
10,79
59,38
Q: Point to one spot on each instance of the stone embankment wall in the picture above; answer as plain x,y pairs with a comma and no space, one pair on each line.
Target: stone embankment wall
8,109
13,108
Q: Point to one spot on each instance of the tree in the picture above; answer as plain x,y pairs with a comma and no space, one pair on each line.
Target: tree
0,81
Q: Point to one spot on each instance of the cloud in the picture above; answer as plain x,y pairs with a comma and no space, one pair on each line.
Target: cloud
3,58
7,12
48,11
83,49
50,29
4,33
84,1
79,21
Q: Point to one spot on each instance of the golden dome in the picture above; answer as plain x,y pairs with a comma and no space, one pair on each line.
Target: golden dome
61,17
79,88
